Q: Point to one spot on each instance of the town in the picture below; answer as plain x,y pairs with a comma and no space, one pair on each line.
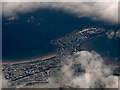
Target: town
30,72
72,42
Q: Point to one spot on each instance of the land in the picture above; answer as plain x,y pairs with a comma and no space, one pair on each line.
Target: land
29,73
39,71
72,42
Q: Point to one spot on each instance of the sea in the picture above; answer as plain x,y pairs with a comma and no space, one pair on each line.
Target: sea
29,35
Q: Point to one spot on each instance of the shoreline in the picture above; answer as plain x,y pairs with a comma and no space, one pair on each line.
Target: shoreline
30,60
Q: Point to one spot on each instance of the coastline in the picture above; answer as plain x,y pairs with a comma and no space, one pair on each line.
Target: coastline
30,60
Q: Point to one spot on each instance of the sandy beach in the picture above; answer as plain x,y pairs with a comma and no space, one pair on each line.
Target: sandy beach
30,60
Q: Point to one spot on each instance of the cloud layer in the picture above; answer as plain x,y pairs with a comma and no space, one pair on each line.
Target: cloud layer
4,82
95,73
100,11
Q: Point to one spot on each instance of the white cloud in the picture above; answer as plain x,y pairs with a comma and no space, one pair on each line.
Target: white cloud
4,82
104,11
60,1
96,72
118,34
111,34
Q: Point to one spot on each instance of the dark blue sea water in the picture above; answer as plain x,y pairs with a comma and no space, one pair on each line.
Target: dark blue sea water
107,48
23,39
